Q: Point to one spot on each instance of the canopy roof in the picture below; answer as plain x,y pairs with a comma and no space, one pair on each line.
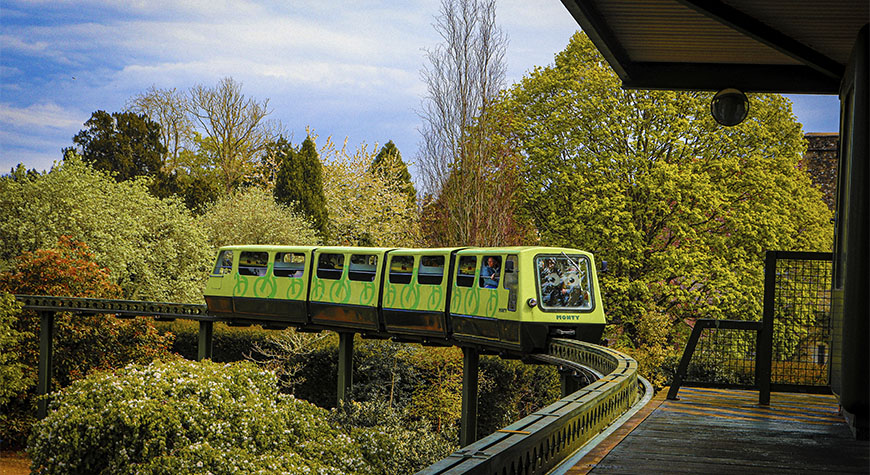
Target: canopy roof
796,46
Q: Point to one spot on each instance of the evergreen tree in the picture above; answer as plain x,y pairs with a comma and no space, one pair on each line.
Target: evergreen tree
299,184
389,164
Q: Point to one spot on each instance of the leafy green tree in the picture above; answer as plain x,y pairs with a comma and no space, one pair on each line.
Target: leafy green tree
388,164
154,247
82,343
364,208
299,183
122,142
14,377
681,208
253,217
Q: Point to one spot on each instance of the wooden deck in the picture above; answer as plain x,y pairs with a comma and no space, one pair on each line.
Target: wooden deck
727,431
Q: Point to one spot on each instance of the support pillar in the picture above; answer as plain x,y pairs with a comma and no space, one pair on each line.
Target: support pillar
345,365
46,368
570,384
206,345
468,425
764,341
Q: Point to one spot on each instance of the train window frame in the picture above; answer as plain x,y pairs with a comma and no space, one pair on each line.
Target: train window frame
398,278
221,268
592,300
482,281
330,273
511,280
253,270
462,278
359,274
297,273
429,278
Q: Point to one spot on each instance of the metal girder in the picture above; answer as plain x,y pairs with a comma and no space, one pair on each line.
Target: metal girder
116,307
755,29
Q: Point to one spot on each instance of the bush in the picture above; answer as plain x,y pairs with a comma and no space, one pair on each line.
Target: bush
187,417
229,344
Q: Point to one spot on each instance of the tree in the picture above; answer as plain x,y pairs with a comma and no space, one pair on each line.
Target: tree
154,247
253,217
234,126
122,142
364,209
388,164
681,208
466,169
169,108
299,183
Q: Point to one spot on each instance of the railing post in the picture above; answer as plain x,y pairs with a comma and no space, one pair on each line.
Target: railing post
205,348
46,368
468,424
569,381
345,365
764,342
684,361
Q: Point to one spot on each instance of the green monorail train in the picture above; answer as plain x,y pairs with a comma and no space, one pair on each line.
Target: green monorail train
504,299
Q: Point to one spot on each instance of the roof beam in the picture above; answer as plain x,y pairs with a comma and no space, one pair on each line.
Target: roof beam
755,29
713,77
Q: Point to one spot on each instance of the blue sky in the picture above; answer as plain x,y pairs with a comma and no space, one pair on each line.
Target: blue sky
350,70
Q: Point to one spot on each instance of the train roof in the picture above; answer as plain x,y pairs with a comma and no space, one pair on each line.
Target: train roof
409,250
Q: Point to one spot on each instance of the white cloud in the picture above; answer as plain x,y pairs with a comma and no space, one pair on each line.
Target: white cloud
47,115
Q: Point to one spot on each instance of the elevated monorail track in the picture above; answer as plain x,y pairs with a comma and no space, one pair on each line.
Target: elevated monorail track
535,444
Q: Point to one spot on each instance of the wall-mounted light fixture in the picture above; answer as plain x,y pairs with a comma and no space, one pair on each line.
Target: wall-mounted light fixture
729,107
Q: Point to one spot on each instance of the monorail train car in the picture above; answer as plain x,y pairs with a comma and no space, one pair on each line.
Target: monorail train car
503,299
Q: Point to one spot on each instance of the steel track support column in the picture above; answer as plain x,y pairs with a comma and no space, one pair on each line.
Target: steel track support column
570,384
205,348
345,365
46,368
468,425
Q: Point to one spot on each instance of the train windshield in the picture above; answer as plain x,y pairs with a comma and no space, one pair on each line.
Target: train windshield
564,282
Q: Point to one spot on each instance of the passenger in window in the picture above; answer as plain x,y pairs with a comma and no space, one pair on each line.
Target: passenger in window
490,272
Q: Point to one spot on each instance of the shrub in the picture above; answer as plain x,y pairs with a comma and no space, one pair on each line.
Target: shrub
188,417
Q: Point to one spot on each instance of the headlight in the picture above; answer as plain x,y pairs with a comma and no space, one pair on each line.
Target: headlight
532,302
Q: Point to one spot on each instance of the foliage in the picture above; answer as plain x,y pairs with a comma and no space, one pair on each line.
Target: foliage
229,343
14,376
510,390
186,417
169,108
681,208
234,127
440,400
124,143
153,247
82,343
388,164
390,440
252,216
364,208
299,182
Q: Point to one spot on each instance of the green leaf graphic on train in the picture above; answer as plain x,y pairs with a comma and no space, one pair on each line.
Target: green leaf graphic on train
367,296
472,302
492,303
318,290
266,286
457,298
390,296
339,292
241,287
411,296
434,298
294,290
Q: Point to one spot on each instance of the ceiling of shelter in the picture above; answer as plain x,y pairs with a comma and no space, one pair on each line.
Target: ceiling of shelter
755,45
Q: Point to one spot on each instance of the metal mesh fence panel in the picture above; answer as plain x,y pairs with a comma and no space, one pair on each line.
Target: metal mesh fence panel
723,356
801,311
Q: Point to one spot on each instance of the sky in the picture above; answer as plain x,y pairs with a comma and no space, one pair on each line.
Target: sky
345,69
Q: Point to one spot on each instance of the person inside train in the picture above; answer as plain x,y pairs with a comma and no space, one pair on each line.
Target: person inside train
490,272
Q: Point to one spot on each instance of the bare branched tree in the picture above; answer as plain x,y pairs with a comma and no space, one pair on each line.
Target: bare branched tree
459,157
284,354
235,128
464,75
169,108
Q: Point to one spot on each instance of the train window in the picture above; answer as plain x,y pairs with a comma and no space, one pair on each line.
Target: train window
224,264
253,263
511,281
431,270
401,268
490,272
289,264
465,271
564,282
330,266
363,267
